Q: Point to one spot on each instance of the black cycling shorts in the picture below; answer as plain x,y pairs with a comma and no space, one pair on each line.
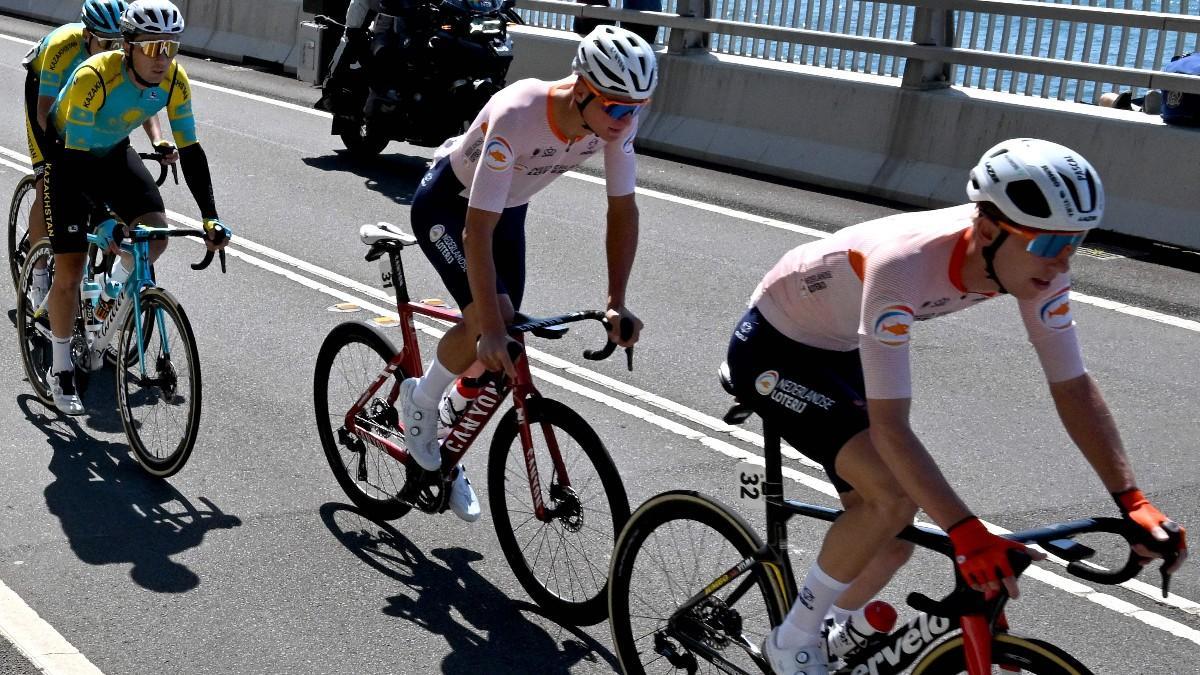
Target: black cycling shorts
439,216
119,180
813,395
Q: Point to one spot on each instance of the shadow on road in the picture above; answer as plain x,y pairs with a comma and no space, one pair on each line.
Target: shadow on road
445,584
394,176
111,511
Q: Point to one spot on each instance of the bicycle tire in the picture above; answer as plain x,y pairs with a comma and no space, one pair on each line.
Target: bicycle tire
376,501
160,396
18,235
36,349
657,534
1008,650
565,593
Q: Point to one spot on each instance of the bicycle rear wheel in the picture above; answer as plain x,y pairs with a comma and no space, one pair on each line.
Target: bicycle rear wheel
562,561
33,334
160,408
351,358
676,546
1010,654
18,225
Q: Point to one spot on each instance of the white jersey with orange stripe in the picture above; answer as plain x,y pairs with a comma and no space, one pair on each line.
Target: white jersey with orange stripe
514,149
864,287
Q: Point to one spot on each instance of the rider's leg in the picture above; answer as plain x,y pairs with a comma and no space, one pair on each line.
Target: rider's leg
853,540
890,557
455,354
37,218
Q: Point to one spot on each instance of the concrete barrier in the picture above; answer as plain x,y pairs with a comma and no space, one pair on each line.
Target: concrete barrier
264,31
831,128
865,133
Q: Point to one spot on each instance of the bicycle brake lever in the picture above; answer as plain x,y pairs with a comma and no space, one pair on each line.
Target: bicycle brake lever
222,255
629,358
175,174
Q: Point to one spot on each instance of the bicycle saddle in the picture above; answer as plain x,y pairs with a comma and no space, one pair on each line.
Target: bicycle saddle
381,232
739,412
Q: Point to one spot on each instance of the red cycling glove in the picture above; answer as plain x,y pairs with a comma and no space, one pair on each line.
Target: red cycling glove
1137,508
982,557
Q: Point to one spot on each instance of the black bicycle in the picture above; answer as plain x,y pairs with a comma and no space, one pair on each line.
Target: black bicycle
694,589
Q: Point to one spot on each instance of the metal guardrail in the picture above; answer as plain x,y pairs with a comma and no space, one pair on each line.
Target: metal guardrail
953,46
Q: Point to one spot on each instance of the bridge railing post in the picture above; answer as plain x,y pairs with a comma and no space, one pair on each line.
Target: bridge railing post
932,27
682,41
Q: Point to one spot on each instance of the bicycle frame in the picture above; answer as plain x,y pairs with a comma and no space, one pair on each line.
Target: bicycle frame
129,299
889,655
481,410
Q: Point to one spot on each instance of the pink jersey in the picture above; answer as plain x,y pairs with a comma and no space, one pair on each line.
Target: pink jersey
514,149
864,286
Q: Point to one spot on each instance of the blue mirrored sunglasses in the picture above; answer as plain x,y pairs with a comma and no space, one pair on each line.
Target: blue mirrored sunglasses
1046,244
619,111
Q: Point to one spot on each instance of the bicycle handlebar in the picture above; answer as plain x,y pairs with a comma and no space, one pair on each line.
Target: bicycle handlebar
610,346
144,233
163,167
1057,539
551,328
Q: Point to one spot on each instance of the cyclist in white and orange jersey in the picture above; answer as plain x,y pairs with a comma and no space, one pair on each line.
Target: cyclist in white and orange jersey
824,353
469,213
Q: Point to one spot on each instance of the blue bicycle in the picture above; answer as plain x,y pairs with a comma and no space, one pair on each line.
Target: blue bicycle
143,332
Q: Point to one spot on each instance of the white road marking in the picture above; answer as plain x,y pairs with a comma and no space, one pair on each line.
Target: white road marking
37,640
1051,578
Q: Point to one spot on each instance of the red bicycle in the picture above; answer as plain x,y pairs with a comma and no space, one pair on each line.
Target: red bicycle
555,495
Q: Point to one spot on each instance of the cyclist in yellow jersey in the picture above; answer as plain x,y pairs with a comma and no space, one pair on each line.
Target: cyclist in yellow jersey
49,65
106,98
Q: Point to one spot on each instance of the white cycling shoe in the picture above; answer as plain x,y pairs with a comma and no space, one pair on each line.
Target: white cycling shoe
420,428
62,389
808,659
463,501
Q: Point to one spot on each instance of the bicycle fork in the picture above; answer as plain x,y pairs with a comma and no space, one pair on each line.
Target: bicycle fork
560,484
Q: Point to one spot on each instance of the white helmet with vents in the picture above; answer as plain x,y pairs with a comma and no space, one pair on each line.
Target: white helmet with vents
617,62
1039,184
159,17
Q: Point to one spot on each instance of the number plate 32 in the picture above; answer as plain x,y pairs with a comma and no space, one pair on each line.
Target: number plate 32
750,479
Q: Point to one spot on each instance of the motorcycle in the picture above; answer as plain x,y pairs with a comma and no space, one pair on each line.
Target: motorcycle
426,68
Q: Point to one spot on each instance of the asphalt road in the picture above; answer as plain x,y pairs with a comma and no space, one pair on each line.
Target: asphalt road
251,559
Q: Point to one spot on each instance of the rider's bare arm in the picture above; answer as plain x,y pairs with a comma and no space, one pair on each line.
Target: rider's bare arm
1090,425
910,462
621,248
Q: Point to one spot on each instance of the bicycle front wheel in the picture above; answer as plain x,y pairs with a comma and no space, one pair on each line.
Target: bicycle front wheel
561,560
18,226
350,360
1010,653
33,333
676,547
158,387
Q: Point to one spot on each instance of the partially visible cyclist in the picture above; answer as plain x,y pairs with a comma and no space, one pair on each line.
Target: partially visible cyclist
50,64
824,353
106,98
469,213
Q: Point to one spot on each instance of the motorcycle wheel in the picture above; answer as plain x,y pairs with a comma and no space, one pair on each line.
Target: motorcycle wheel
362,142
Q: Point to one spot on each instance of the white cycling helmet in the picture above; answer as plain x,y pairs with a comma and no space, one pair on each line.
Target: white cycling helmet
159,17
617,62
1039,184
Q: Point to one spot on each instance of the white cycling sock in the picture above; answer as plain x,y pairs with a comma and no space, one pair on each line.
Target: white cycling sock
807,616
432,386
62,355
840,614
41,277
